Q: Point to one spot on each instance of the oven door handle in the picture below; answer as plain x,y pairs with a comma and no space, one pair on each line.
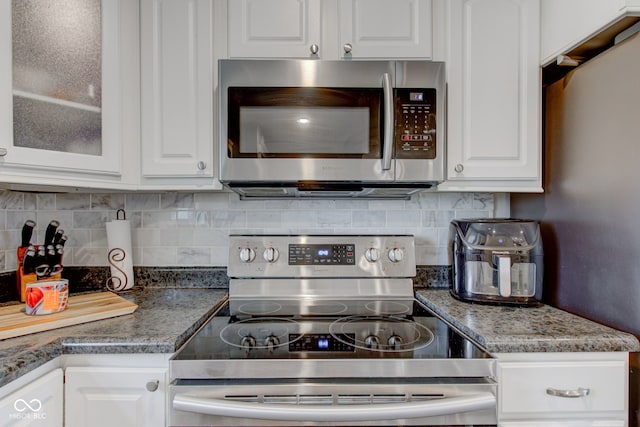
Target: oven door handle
387,148
332,413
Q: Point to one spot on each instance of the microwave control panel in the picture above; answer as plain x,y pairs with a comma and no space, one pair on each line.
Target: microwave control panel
415,127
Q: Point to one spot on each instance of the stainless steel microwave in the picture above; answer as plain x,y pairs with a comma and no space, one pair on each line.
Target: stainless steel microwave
331,129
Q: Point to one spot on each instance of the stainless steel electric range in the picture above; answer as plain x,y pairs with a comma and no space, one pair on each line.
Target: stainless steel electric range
325,330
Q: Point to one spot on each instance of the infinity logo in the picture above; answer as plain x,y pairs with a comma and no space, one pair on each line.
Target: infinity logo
21,405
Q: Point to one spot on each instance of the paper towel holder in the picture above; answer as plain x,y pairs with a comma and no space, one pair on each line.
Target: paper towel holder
118,255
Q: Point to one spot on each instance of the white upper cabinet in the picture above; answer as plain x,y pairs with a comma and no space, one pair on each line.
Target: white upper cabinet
69,84
330,29
494,91
385,28
567,23
274,28
178,72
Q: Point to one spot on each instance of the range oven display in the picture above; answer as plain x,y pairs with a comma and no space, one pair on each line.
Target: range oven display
321,254
320,342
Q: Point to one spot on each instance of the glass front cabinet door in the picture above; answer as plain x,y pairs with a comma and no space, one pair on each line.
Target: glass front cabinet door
69,85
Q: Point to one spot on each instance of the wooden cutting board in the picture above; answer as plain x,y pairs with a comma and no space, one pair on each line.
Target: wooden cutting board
80,309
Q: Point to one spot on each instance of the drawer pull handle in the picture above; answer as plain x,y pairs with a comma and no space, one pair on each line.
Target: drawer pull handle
579,392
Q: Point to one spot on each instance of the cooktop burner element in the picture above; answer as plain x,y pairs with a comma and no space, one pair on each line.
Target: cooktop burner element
260,333
382,333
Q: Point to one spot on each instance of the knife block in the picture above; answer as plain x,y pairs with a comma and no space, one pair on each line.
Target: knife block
23,278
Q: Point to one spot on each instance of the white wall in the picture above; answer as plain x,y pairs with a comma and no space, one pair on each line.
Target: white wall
191,229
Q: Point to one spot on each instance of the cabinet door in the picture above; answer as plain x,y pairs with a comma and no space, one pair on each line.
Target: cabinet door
385,28
567,23
274,28
177,88
39,403
68,83
114,397
494,93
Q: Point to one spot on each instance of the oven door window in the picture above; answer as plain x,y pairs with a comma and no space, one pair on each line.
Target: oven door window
304,122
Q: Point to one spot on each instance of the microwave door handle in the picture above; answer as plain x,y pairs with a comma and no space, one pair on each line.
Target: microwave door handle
387,147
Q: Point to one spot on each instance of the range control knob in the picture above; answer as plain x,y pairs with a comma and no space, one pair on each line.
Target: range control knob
395,341
396,255
372,342
271,342
270,254
372,254
247,254
247,343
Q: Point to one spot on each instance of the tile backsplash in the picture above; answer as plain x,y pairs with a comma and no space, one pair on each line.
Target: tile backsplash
191,229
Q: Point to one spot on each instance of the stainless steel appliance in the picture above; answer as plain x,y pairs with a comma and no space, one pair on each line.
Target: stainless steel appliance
308,128
325,330
496,260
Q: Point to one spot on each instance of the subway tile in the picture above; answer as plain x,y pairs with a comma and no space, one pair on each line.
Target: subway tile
349,204
46,202
107,202
403,218
264,218
177,201
11,200
228,219
334,219
9,240
73,201
159,219
16,219
191,256
211,237
89,219
30,201
369,219
219,256
146,237
142,202
176,237
98,238
211,201
456,200
295,219
423,200
89,257
159,256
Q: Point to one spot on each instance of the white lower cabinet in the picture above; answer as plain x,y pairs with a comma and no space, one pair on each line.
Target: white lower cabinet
115,396
563,389
39,403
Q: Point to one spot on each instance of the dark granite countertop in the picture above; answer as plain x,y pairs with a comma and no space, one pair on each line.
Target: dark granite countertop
503,329
166,317
164,320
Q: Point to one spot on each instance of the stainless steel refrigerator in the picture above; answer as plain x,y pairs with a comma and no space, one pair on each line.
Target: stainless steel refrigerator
590,211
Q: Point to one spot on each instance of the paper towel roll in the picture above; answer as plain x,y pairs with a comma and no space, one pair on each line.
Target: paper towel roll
120,255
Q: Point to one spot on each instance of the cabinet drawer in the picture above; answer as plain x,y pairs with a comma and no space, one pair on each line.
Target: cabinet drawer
523,387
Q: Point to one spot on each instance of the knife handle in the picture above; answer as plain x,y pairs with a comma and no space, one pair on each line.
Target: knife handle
28,262
50,232
58,236
27,232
